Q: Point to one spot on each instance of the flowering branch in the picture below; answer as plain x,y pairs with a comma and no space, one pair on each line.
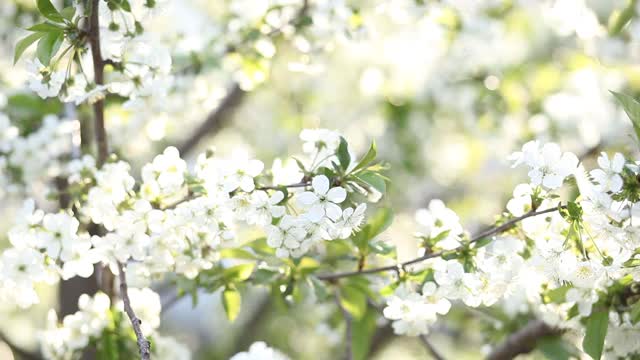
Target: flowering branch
522,341
432,350
489,232
143,344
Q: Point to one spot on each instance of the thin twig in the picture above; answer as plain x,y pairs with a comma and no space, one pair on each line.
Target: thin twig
522,341
22,353
489,232
143,344
432,350
348,332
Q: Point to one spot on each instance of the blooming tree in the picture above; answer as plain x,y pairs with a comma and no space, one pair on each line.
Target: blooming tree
560,261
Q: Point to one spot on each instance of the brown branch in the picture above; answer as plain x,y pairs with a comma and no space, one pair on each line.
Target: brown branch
98,71
17,350
432,350
522,341
215,120
348,332
489,232
143,344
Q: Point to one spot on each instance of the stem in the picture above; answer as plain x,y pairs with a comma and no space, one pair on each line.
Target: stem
98,71
143,344
491,231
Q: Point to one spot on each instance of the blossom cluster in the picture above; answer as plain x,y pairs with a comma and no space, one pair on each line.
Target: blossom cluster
174,220
575,260
96,319
34,158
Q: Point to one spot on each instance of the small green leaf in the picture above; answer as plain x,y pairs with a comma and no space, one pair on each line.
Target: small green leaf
379,222
374,180
48,47
231,253
362,333
635,313
632,108
596,331
343,154
232,301
557,295
24,43
46,27
238,273
620,18
49,11
68,13
260,246
367,158
555,348
307,266
353,300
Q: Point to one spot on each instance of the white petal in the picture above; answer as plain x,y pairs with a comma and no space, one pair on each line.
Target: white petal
307,198
315,213
337,195
333,211
320,184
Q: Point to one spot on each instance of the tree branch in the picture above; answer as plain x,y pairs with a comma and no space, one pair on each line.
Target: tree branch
489,232
432,350
143,344
522,341
215,120
98,71
22,353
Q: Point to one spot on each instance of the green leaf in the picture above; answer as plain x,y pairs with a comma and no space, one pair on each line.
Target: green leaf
68,12
238,273
232,301
367,158
635,312
48,47
260,246
231,253
632,108
46,27
307,266
353,300
343,154
49,11
24,43
596,332
379,222
557,295
555,348
620,18
374,180
362,333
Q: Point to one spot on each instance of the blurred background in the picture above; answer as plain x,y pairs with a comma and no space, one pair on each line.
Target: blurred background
448,89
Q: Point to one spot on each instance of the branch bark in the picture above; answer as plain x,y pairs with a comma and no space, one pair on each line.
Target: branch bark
98,71
143,344
522,341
